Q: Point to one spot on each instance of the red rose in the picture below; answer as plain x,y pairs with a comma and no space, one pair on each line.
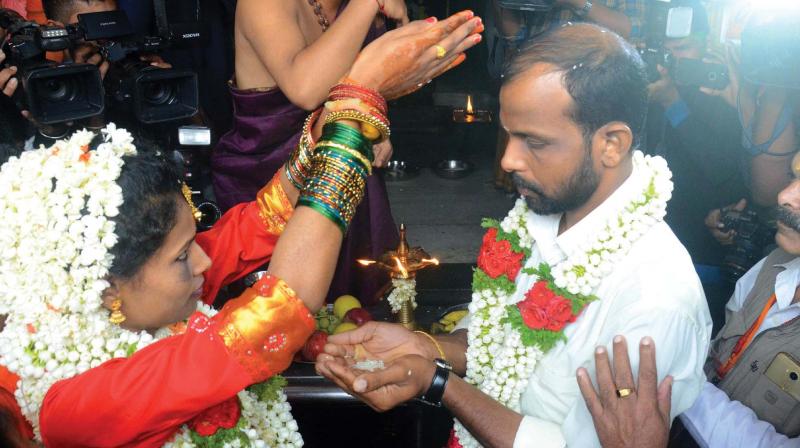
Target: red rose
497,258
224,415
543,309
453,441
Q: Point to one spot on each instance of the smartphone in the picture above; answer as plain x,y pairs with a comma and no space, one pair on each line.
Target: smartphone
695,72
784,371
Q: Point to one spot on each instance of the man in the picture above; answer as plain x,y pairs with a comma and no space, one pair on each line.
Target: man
573,104
751,400
699,136
507,29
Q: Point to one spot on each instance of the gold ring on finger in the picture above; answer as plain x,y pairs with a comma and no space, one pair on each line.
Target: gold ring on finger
624,392
441,52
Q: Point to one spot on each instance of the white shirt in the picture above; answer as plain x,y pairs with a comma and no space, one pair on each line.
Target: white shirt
716,421
654,291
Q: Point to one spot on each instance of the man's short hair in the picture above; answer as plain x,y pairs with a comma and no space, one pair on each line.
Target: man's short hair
602,72
61,10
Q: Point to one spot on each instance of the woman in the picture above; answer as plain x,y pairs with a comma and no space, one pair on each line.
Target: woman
99,257
280,46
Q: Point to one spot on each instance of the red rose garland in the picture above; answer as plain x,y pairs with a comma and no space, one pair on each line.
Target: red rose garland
222,416
497,257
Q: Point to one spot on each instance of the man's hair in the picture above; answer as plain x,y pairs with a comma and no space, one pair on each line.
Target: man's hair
604,75
60,10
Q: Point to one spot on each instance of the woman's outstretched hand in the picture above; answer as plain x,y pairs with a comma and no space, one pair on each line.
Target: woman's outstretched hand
403,60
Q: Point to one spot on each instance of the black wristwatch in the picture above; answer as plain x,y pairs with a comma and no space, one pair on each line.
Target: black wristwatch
435,392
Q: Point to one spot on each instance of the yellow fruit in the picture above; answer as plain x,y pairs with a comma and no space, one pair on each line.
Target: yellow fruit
345,326
453,317
344,304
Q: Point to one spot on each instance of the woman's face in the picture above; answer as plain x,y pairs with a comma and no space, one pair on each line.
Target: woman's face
167,287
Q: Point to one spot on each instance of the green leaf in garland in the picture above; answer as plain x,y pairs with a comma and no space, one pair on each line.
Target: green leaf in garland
481,281
269,389
488,223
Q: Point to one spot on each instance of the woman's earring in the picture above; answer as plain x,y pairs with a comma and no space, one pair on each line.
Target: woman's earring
116,315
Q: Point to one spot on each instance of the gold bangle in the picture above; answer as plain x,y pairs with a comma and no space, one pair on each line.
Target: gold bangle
435,342
364,161
361,117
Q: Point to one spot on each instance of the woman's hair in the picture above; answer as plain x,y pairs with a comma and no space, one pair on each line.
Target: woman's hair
151,186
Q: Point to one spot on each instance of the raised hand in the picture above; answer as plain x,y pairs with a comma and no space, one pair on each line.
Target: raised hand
624,415
403,60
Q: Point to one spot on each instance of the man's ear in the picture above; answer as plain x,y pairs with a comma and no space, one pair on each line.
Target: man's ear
615,140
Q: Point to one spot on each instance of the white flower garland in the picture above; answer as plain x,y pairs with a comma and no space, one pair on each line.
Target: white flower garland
57,204
405,290
497,361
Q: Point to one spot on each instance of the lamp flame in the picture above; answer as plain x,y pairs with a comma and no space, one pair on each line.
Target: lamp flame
366,262
403,270
470,111
432,261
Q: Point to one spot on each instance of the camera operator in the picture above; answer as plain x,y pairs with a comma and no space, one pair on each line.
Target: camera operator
699,136
65,12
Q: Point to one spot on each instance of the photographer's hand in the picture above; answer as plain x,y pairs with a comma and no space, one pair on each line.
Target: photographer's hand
155,60
89,54
8,82
714,223
731,93
663,91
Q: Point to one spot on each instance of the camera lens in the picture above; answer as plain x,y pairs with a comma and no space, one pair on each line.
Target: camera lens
159,93
793,376
58,89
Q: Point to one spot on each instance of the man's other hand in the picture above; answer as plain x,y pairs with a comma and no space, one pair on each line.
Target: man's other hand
626,416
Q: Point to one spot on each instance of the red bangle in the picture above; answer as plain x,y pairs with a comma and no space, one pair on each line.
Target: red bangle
349,90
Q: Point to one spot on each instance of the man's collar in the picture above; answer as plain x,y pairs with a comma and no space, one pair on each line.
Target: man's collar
554,247
786,283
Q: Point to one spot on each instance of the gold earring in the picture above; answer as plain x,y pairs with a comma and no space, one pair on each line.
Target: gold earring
116,315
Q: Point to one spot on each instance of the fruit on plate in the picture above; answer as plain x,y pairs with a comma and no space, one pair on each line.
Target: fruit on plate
326,321
345,326
358,316
448,322
315,345
344,304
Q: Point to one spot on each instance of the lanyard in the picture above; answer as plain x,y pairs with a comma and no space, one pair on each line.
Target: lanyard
745,340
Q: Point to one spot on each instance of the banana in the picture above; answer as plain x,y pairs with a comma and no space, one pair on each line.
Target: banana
453,317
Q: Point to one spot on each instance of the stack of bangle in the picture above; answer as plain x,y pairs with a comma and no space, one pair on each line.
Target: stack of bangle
299,164
338,175
360,104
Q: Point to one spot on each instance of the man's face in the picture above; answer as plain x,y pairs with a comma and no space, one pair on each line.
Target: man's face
547,155
81,7
788,216
690,47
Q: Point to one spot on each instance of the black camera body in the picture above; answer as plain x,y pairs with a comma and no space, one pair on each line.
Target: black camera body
653,56
51,91
56,93
751,237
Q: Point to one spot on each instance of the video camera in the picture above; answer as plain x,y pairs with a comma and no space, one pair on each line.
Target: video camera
55,93
663,21
52,92
752,236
